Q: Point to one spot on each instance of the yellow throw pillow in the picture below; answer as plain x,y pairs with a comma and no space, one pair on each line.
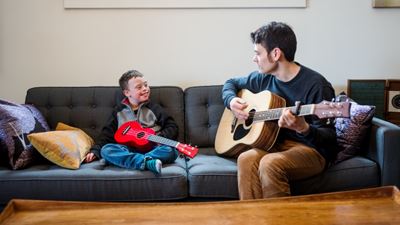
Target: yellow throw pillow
66,146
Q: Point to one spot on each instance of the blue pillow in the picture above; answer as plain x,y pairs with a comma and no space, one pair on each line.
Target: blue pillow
16,122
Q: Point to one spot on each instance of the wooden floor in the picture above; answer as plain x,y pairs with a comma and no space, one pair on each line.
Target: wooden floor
368,206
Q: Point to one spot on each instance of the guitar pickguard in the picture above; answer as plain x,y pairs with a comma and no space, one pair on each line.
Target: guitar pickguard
240,132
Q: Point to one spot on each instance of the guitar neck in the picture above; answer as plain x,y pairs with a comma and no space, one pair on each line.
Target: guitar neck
274,114
163,140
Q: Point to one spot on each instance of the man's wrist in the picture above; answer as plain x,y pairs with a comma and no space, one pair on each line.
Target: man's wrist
304,131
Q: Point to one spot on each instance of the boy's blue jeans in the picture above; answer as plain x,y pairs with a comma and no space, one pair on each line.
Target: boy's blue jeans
126,157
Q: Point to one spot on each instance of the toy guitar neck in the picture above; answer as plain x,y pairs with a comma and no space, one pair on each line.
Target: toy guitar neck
133,134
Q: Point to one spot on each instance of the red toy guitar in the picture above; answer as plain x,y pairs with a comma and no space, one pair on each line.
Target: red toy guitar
133,134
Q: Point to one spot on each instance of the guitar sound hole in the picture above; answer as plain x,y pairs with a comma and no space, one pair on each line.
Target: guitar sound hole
140,135
249,120
241,131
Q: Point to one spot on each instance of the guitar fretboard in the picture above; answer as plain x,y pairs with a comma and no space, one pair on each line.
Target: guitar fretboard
162,140
274,114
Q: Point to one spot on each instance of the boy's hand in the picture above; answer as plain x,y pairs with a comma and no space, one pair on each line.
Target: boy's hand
90,157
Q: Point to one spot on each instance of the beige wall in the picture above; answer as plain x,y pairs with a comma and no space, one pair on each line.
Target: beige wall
43,44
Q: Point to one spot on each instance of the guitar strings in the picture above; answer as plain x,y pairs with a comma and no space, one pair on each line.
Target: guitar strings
252,114
147,135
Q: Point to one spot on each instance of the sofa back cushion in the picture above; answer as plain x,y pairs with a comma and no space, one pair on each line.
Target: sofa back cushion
171,99
203,111
89,108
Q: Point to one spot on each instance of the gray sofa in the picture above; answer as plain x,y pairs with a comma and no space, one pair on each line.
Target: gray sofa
197,111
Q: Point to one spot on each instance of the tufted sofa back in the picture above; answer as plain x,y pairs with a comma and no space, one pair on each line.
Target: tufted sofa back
203,111
89,108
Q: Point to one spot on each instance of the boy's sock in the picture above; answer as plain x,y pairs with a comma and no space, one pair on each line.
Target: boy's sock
154,165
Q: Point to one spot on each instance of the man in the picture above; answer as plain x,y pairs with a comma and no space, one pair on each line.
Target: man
305,145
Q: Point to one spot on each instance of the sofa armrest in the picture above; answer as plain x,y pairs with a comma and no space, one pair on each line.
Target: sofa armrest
384,148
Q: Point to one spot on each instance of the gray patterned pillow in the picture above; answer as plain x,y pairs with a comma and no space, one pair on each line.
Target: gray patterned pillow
16,122
352,131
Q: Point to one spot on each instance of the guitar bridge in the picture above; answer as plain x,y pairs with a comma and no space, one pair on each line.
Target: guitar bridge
126,130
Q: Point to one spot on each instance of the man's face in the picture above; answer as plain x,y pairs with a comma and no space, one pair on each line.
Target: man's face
265,62
138,91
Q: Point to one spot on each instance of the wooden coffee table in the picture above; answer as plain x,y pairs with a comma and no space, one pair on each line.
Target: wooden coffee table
368,206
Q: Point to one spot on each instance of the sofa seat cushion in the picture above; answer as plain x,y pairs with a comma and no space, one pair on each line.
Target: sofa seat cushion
212,176
351,174
94,181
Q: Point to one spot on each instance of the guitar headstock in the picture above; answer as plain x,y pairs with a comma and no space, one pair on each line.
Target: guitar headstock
187,150
327,109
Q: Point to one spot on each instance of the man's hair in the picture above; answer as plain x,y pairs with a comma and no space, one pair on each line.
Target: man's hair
123,81
276,35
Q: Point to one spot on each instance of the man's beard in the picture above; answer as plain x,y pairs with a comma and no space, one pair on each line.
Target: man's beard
273,66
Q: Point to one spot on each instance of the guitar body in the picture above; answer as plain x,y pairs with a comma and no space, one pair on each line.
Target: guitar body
137,136
234,138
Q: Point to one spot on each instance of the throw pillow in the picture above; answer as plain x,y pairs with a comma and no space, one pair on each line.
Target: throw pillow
16,122
66,146
352,131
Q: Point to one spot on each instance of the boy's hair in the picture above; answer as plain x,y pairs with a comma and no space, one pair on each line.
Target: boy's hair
124,79
276,35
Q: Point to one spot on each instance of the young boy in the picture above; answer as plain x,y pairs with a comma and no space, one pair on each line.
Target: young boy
136,106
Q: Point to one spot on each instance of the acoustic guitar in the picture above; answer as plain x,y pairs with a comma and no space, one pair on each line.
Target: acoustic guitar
235,136
143,139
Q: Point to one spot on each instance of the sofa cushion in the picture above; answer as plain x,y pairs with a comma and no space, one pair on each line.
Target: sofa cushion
89,108
171,99
203,111
66,146
94,181
351,132
16,122
355,173
212,176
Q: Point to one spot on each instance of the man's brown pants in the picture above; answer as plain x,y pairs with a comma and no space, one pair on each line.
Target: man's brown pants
264,174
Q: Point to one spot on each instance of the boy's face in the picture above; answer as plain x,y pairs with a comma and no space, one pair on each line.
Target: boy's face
138,91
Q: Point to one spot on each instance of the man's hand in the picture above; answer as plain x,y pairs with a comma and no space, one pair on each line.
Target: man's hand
90,157
293,122
237,106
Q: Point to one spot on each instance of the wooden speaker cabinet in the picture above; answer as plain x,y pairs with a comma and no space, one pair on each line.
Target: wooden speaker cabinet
369,92
393,101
